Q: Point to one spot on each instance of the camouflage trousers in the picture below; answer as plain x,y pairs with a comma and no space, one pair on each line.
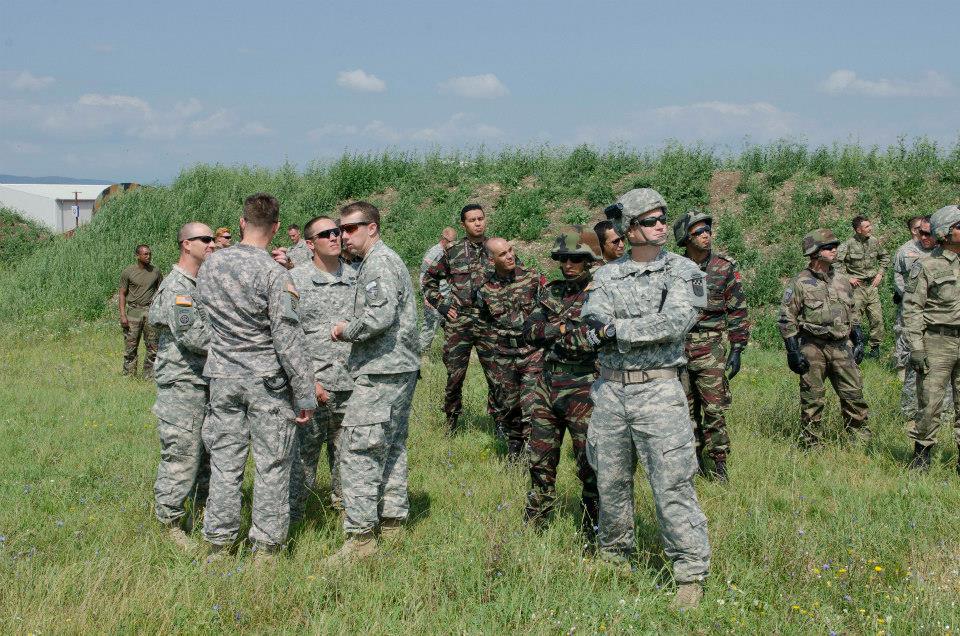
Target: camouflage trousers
901,352
561,402
373,450
943,356
323,429
649,421
909,403
139,328
462,335
708,395
184,469
831,360
247,415
866,302
515,375
431,318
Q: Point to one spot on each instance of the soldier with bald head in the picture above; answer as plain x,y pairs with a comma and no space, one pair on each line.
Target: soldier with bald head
182,391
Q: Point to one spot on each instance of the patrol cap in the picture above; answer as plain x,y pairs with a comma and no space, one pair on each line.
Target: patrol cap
943,219
632,204
681,227
817,240
576,241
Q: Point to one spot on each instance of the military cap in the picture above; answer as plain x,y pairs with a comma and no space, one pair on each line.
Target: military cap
681,227
817,240
944,219
632,204
576,241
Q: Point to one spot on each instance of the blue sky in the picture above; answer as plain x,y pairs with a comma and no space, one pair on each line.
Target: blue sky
137,91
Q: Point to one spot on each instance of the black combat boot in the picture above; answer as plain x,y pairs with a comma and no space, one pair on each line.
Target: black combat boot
921,457
515,451
874,352
452,425
590,519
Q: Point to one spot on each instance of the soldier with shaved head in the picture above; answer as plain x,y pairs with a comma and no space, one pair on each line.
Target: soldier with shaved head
138,285
182,391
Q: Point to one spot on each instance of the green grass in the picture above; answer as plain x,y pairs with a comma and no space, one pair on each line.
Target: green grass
797,537
19,237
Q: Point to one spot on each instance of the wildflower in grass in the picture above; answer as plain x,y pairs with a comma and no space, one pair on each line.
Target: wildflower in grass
877,568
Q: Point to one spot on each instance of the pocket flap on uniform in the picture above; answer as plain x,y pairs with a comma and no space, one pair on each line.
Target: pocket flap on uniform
697,520
813,303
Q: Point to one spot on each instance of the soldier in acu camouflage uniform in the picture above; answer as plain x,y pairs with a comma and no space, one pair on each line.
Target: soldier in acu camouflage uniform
466,267
818,323
561,399
261,382
505,302
431,317
297,254
862,260
709,368
641,307
931,322
182,393
384,363
326,287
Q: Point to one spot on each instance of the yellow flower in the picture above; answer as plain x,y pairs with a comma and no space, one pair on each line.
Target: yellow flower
877,568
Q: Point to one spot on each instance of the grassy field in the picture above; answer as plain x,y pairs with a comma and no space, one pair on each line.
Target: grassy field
834,541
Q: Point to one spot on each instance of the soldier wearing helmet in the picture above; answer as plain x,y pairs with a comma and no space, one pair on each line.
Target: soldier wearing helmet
705,377
931,323
862,260
818,323
561,399
641,307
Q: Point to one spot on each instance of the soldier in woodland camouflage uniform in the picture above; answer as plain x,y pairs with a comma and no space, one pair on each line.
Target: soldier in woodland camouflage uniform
818,323
505,302
261,382
182,393
709,368
326,287
931,322
641,307
466,267
862,260
431,317
384,363
561,400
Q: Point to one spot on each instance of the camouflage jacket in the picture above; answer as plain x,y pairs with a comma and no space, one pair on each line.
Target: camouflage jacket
861,258
182,330
505,304
431,258
903,261
933,296
555,323
726,308
255,331
325,300
299,254
383,322
653,305
466,266
818,304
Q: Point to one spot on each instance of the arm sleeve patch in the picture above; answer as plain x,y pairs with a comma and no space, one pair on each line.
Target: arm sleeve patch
183,300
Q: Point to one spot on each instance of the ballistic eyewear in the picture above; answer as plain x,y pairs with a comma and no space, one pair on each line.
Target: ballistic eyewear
325,234
650,221
226,236
922,233
205,239
350,228
616,241
828,246
703,230
573,258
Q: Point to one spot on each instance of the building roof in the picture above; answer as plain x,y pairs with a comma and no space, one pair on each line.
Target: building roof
63,191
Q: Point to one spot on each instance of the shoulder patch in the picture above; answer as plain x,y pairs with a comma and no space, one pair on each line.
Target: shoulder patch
292,290
183,300
787,294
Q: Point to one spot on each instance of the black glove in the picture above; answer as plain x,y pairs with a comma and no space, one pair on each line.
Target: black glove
859,346
600,332
733,361
897,297
795,360
443,309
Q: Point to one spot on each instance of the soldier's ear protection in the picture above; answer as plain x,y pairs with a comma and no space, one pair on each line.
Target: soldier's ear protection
614,211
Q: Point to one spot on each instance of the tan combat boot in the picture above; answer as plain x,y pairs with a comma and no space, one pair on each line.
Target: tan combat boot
265,554
688,596
213,553
391,529
181,538
357,546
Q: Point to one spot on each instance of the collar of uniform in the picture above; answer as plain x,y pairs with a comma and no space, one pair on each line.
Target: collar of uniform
824,276
509,277
861,238
192,279
701,264
373,250
629,266
323,277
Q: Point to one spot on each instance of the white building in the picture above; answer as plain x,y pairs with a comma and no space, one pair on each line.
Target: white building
52,204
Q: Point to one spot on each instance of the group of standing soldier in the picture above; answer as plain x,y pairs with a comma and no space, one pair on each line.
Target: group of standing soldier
634,359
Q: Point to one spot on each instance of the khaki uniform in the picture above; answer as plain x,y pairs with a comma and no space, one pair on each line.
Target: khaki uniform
864,259
931,323
819,308
141,284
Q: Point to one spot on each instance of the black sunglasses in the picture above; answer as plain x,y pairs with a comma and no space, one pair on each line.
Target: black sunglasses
702,230
650,221
616,241
922,233
205,239
325,234
573,258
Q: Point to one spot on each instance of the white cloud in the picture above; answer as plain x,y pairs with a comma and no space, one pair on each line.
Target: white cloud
486,86
360,80
846,82
25,80
713,121
458,128
254,129
114,101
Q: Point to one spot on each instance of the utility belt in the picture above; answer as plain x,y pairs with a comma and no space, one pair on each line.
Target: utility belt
704,336
511,342
570,368
637,376
944,330
806,336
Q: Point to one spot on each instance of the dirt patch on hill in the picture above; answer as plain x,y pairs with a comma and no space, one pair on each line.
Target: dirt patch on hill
723,190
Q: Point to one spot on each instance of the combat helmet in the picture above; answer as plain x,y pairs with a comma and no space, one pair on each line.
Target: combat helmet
681,227
817,240
576,241
943,219
632,204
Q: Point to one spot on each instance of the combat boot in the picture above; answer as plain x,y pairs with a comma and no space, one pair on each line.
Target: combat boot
181,538
688,596
701,469
452,424
265,554
516,451
214,553
874,352
921,457
590,519
391,529
357,546
719,472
